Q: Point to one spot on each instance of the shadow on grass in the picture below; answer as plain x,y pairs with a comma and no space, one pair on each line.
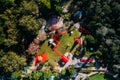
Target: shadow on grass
74,45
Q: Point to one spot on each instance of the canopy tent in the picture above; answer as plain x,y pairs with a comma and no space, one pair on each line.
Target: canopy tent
64,59
42,57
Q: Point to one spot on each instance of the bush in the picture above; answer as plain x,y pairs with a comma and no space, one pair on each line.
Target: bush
90,39
58,9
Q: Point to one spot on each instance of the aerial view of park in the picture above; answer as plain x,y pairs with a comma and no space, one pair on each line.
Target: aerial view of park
59,39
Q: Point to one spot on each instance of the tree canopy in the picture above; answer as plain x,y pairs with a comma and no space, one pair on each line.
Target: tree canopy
20,21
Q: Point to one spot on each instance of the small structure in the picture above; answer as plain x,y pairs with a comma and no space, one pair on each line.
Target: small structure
78,14
80,64
55,23
51,42
42,57
78,40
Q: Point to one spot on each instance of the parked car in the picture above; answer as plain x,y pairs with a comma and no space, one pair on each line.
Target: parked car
80,64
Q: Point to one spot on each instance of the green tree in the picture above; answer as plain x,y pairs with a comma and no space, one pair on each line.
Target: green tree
70,71
98,54
2,36
36,75
111,32
29,8
58,9
55,73
11,62
46,3
16,74
107,9
90,39
10,32
63,72
5,4
29,24
47,73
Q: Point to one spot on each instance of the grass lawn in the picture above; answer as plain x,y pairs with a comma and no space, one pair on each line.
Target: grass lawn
65,39
97,77
101,77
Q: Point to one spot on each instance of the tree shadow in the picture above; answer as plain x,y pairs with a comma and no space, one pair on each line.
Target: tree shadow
74,45
81,54
92,55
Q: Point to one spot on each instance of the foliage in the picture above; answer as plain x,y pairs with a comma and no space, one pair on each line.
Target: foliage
36,75
11,62
29,8
90,39
55,73
86,71
98,54
58,9
16,74
66,16
29,24
10,32
47,73
18,24
63,72
46,3
70,71
2,36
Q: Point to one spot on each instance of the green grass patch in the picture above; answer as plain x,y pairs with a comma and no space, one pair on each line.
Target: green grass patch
86,71
102,77
97,77
88,53
65,39
50,53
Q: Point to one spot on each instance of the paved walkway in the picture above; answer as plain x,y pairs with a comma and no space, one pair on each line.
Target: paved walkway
83,76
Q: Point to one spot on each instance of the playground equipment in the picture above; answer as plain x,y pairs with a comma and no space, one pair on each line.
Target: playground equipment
63,57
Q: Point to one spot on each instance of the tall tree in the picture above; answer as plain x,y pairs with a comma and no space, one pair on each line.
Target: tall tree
29,24
11,62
